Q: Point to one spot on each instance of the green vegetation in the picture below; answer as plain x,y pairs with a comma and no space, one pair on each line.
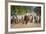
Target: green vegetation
19,10
37,10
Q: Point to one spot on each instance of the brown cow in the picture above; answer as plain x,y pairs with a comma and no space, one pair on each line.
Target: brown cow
28,18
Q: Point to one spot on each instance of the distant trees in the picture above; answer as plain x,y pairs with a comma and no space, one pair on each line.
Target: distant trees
20,10
37,10
13,11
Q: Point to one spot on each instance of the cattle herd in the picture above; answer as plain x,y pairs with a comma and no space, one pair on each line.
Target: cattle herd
26,19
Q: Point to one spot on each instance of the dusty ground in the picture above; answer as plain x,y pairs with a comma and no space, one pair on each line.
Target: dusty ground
28,25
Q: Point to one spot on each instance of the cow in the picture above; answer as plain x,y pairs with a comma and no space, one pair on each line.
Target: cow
37,19
12,20
28,18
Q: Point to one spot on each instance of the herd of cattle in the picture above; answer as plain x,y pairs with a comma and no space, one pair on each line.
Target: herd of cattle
26,19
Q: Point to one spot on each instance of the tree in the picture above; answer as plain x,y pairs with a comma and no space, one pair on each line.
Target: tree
20,10
13,11
37,10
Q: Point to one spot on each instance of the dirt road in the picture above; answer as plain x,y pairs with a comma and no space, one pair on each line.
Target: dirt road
28,25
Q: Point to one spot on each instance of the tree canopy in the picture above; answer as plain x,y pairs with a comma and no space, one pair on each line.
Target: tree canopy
20,10
37,10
